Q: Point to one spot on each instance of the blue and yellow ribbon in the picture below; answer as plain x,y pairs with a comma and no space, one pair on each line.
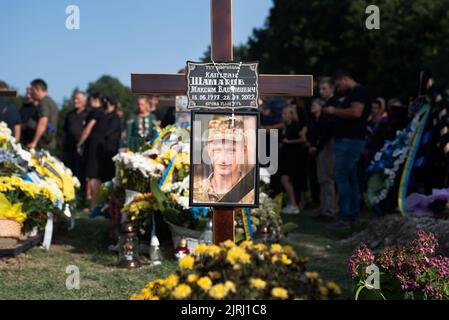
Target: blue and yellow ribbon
168,172
403,186
247,225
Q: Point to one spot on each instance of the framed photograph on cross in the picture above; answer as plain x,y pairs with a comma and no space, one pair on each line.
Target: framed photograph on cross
224,169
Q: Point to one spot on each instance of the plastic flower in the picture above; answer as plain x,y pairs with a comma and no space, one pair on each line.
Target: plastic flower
187,262
182,291
204,283
279,293
258,284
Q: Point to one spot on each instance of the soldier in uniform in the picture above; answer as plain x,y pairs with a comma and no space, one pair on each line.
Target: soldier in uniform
227,150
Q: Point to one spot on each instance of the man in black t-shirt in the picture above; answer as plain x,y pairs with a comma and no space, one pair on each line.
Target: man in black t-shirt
349,132
74,124
324,148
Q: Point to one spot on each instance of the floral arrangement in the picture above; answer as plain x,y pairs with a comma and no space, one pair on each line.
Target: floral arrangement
50,167
135,170
25,202
385,166
172,144
166,160
32,183
247,271
266,220
410,272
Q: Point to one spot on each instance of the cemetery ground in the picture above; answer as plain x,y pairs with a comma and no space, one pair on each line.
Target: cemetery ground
38,274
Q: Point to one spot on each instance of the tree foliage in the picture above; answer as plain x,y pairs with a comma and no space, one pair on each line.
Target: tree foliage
108,86
319,36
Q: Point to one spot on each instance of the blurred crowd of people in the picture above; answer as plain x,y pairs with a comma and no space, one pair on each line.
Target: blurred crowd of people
326,145
92,133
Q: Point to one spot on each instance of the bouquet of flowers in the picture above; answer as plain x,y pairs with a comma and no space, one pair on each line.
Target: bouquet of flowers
33,183
172,145
135,170
52,168
410,272
247,271
178,211
27,201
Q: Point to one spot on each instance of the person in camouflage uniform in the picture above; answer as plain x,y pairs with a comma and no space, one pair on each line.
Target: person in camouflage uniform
226,147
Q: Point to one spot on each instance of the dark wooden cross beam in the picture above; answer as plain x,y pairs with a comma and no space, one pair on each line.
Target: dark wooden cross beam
221,51
8,93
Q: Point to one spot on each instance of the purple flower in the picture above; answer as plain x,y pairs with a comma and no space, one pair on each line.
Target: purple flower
426,244
362,258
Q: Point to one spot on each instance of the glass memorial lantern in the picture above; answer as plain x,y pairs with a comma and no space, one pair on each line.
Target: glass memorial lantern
128,247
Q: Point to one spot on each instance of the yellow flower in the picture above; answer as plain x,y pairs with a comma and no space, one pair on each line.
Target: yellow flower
290,251
204,283
192,278
237,254
182,291
274,259
285,260
276,248
246,244
323,291
228,244
257,283
171,281
200,249
279,293
312,276
218,291
213,250
333,287
260,247
230,286
187,262
11,211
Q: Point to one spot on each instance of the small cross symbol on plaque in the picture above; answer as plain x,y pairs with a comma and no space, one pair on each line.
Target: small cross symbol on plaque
232,118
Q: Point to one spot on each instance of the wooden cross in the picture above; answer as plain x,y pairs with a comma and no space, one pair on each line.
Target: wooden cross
222,51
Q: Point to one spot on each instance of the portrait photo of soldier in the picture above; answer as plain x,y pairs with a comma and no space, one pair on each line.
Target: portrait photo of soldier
226,174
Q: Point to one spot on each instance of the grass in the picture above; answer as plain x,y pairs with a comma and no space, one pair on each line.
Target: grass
322,248
39,274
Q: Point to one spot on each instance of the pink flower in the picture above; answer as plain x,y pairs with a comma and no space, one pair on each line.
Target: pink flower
362,258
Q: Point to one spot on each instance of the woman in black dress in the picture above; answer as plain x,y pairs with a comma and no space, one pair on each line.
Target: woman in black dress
292,157
112,137
91,146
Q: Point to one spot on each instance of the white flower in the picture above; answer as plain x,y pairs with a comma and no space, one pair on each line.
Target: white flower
183,202
138,162
264,175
